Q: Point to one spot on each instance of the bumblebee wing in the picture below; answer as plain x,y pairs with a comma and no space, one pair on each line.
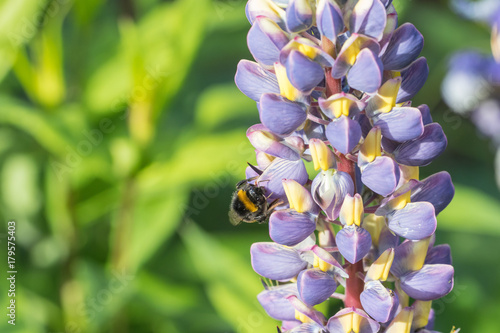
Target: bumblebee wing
234,218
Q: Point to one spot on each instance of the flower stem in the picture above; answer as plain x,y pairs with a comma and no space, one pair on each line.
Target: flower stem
354,285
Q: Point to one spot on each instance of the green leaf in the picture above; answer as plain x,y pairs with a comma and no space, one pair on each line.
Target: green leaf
39,126
222,104
154,218
18,24
200,159
471,211
20,191
166,297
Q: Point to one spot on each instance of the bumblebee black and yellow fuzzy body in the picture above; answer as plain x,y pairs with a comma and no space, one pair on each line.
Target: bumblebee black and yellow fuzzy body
248,204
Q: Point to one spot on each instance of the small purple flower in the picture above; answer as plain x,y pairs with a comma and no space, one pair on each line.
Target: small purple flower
471,84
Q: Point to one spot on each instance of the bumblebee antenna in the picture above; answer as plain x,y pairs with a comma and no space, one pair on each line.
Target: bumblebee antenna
254,168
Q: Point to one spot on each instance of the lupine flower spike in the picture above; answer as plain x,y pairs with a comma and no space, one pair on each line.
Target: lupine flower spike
333,82
471,85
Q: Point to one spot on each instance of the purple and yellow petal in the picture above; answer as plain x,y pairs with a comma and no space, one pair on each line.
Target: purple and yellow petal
354,243
276,262
288,227
405,46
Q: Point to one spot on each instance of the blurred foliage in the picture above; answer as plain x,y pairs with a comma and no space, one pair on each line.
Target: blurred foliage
121,138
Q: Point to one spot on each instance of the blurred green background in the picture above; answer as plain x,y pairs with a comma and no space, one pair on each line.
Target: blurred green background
122,135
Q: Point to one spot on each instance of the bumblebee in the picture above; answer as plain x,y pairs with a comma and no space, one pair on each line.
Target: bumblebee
249,204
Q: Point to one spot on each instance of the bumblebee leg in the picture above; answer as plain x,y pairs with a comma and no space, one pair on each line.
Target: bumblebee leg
273,205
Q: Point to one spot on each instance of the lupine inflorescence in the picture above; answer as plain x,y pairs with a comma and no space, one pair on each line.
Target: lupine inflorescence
333,82
472,84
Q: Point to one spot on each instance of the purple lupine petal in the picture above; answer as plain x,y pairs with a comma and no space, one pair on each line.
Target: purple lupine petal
367,325
368,18
310,312
253,80
366,73
328,258
281,169
387,204
431,321
409,256
429,283
307,328
365,124
414,78
381,175
329,106
487,119
268,9
386,240
276,262
329,189
384,100
354,243
313,130
329,19
300,44
422,150
287,227
426,114
390,26
437,189
405,46
265,141
315,286
265,41
415,221
300,198
303,73
464,86
274,301
280,115
388,145
400,124
440,254
344,134
352,44
289,325
299,15
379,302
